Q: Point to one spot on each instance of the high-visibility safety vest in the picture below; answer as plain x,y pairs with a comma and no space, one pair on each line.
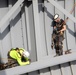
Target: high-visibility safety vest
17,56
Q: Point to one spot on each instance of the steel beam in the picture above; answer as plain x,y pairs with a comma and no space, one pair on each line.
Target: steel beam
46,62
10,12
62,10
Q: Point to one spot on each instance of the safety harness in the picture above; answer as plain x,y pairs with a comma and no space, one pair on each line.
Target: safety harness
57,38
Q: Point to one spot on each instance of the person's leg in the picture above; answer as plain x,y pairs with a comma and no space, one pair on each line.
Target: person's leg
60,48
57,49
11,63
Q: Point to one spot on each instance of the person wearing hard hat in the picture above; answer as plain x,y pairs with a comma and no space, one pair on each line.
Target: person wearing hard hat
59,23
59,26
16,57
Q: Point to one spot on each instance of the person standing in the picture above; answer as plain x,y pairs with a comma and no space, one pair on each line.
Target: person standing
59,26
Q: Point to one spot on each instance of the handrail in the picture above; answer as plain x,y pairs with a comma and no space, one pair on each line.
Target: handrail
10,12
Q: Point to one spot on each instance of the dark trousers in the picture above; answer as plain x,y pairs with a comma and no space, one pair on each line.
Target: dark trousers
58,44
11,63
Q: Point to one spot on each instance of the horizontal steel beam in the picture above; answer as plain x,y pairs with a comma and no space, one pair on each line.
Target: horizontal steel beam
62,10
29,0
46,62
10,12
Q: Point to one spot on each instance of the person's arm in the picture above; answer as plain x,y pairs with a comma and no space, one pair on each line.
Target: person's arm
63,29
18,58
22,63
54,27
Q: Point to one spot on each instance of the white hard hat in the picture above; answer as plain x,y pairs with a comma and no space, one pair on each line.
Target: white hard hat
56,16
26,54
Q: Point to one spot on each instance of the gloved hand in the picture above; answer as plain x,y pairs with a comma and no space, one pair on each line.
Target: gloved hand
58,32
28,62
